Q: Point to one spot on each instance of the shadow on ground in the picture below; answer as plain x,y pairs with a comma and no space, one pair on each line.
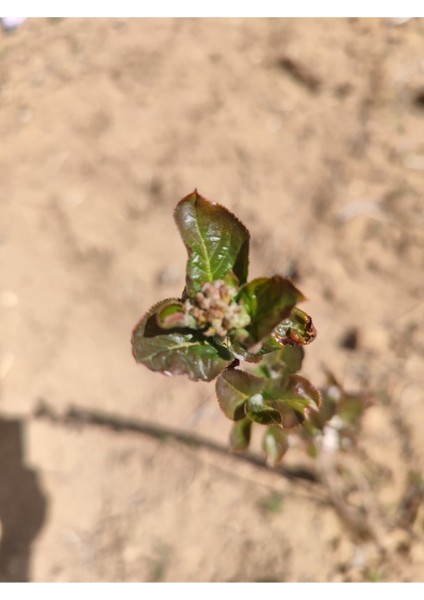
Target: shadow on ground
22,504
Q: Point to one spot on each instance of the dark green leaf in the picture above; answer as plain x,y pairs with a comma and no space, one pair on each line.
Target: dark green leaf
292,357
267,301
177,351
268,344
262,412
216,241
288,357
240,435
294,399
275,444
234,388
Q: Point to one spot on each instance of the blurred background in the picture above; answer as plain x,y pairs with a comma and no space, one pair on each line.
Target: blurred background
311,131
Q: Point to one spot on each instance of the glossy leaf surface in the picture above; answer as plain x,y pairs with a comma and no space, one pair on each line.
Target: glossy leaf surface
268,301
234,388
262,412
287,358
297,328
175,352
294,400
216,241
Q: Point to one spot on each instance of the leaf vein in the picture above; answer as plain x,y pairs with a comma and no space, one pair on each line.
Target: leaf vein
205,251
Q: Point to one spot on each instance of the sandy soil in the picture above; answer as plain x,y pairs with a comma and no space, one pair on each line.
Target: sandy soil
312,132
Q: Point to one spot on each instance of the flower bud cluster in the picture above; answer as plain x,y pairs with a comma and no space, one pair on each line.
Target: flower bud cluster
214,307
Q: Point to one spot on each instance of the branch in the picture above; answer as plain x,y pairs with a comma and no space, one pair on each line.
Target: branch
90,418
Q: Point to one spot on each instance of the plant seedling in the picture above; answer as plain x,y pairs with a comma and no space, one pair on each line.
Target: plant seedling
222,320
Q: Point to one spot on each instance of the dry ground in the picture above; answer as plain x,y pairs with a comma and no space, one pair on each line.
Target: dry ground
312,132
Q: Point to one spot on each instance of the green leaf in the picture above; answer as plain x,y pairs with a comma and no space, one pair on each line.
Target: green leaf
295,399
177,354
240,435
261,412
286,400
267,301
275,444
216,241
234,388
290,358
296,330
177,351
269,344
